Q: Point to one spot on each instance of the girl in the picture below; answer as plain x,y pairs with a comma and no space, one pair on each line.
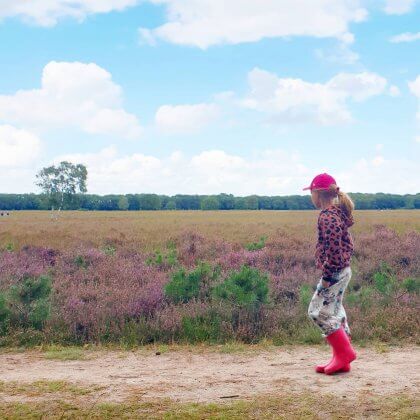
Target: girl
333,253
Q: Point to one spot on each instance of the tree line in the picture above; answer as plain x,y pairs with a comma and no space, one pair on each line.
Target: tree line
198,202
64,187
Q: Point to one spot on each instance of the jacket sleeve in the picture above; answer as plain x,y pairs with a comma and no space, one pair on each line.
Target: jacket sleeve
331,232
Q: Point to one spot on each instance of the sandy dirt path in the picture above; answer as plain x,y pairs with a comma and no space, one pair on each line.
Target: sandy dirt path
208,375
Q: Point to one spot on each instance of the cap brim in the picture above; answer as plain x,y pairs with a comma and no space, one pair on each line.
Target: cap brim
306,188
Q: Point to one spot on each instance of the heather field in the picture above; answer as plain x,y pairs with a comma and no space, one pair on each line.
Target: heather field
196,315
148,230
133,278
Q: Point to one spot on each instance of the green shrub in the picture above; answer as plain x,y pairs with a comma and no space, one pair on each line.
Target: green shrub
22,337
38,313
185,286
135,333
362,298
385,282
81,262
109,250
27,304
10,247
157,259
201,328
247,287
308,334
170,258
254,246
305,295
4,314
411,285
31,289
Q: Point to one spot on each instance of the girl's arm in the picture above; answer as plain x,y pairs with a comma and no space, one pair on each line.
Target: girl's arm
331,233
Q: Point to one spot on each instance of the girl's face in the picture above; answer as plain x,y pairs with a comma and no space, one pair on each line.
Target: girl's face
315,199
321,199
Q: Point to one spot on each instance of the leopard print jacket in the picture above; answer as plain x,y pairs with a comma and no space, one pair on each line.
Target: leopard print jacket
335,244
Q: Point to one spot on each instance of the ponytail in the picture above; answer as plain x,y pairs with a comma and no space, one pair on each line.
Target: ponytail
345,202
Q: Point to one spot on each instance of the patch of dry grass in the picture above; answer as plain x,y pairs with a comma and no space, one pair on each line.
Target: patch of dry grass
287,406
65,353
43,388
152,229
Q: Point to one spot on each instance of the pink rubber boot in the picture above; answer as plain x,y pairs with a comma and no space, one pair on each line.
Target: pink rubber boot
321,368
343,352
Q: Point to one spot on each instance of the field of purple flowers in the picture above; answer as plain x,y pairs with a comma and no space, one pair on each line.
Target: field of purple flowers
199,289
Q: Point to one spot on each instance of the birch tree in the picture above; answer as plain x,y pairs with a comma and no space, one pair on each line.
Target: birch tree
62,182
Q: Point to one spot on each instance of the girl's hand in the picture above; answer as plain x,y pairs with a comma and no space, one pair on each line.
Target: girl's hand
325,283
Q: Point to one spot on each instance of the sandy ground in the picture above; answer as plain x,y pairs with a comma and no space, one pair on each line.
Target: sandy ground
210,376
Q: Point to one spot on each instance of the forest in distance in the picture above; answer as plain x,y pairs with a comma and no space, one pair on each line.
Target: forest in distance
112,202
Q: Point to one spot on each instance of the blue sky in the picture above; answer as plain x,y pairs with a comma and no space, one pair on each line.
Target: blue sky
192,96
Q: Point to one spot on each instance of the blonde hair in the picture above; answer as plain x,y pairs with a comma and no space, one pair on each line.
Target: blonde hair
343,200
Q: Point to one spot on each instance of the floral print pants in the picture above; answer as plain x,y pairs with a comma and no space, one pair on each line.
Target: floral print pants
326,308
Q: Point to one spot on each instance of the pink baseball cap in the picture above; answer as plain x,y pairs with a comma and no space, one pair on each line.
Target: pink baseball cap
321,182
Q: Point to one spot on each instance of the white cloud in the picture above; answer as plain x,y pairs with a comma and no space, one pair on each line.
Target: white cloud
266,172
49,12
417,139
186,118
72,94
208,172
114,121
358,86
146,37
414,87
224,96
295,100
405,37
214,161
203,23
399,7
394,91
398,176
18,147
341,54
